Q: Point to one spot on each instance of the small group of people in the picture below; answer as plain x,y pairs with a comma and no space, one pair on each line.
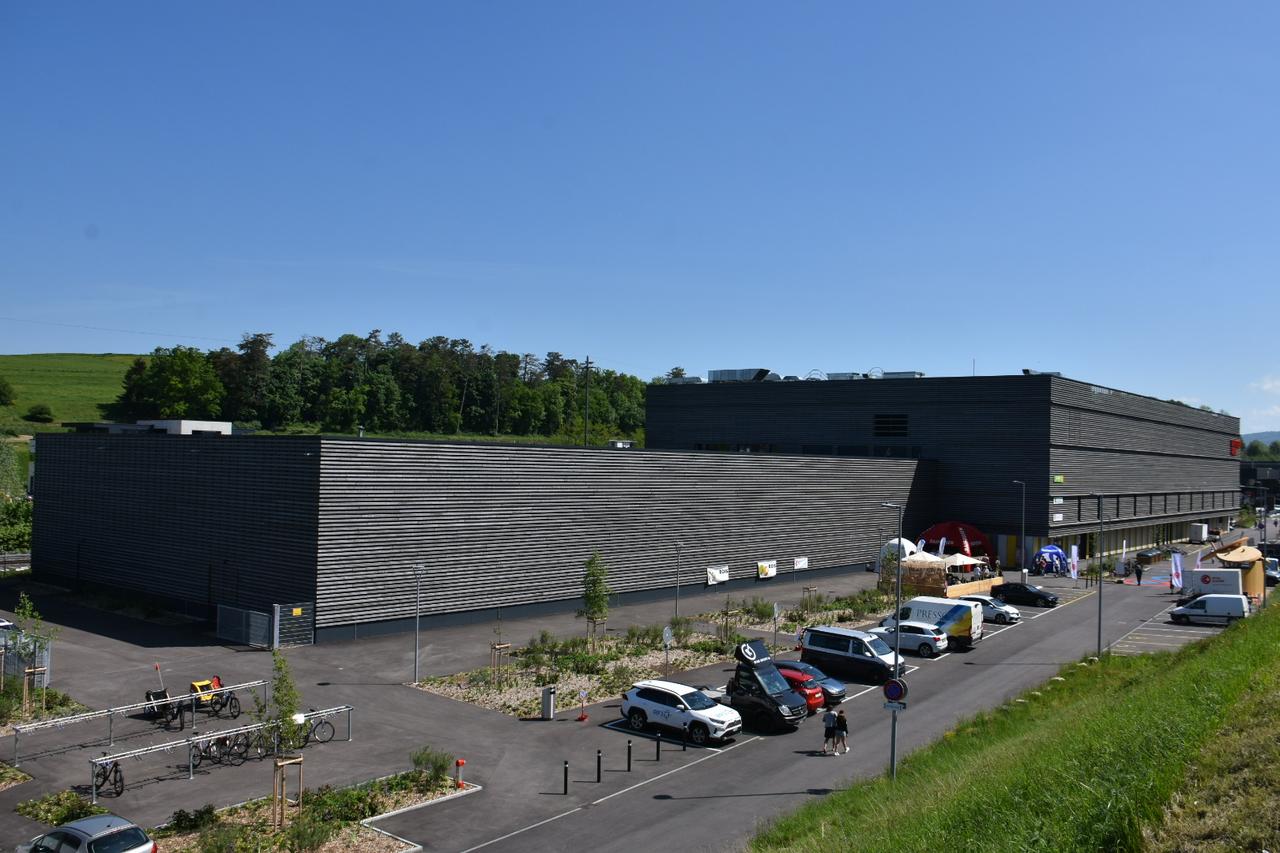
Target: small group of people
835,732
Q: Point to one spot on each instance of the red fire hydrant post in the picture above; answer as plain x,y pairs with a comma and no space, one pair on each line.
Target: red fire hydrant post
457,772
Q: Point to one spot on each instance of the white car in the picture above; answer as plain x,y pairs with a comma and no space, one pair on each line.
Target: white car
675,706
994,610
920,637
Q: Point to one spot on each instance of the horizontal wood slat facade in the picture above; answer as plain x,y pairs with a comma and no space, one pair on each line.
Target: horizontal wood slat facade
503,526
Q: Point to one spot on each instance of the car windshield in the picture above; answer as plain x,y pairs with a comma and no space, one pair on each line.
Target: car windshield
697,701
878,646
772,681
117,842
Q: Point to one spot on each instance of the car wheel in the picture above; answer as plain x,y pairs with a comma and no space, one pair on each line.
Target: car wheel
1002,619
925,650
698,734
637,720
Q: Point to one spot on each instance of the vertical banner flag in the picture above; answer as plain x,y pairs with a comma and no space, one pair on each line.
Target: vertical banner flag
1124,555
920,545
1198,553
1175,576
1075,563
942,547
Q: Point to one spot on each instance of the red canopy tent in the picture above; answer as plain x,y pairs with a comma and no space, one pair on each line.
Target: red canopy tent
961,539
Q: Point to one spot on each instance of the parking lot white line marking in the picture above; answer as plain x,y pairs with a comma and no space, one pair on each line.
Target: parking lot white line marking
668,773
941,656
863,692
1154,643
620,726
525,829
1140,626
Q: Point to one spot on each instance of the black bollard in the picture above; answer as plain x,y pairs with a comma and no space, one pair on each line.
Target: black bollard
628,755
599,762
657,747
684,737
566,778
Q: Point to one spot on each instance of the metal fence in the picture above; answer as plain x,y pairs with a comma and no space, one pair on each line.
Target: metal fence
21,653
14,562
245,627
294,624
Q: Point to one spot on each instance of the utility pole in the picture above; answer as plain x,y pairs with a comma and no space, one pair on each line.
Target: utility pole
1099,561
586,401
897,647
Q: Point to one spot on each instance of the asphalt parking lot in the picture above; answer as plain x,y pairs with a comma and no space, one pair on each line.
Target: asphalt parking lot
713,798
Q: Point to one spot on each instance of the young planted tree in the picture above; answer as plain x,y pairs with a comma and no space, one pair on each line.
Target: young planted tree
595,596
283,704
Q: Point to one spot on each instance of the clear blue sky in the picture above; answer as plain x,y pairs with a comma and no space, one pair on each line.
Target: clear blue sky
1088,187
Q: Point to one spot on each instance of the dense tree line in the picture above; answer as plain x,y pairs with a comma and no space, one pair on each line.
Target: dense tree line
1258,450
441,385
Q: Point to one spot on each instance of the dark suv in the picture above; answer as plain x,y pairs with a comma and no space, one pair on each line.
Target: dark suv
1024,593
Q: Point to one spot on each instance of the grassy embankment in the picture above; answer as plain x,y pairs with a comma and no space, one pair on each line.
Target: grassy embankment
1089,762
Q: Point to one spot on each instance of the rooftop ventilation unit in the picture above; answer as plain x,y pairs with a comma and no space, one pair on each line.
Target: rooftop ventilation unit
685,380
749,374
1026,371
842,376
903,374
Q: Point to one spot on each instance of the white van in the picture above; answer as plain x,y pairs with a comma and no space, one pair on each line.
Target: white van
962,620
1213,609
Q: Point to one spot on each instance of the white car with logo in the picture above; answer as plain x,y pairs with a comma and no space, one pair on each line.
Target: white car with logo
675,706
995,610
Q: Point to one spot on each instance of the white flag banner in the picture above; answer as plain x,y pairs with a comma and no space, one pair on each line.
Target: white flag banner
920,545
1175,575
942,547
1075,563
802,563
717,574
1198,553
1124,555
766,568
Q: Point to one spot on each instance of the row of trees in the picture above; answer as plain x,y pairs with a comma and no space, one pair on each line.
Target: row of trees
441,385
1257,450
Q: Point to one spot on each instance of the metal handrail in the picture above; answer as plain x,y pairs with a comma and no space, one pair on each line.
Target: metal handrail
110,713
191,743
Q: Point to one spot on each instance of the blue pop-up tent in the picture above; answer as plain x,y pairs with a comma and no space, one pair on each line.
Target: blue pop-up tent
1050,560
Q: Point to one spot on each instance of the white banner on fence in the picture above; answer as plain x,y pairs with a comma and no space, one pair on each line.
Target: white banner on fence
717,574
1075,562
766,568
802,563
1175,574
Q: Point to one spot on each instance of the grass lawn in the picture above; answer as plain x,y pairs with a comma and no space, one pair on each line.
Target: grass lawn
1089,761
71,384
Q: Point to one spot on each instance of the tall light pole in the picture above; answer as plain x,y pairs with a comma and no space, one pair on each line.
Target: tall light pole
897,647
418,571
1022,538
1099,561
1265,491
679,549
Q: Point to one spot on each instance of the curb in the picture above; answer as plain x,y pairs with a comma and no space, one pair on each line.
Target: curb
410,847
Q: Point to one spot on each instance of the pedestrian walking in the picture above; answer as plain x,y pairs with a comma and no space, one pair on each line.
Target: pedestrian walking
1137,572
842,732
829,732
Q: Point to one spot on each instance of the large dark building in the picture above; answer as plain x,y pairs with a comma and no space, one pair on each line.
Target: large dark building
245,523
1157,464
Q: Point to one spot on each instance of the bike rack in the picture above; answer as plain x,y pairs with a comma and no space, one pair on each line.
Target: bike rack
110,714
194,740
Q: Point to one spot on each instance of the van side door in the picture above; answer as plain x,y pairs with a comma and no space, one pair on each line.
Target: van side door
828,652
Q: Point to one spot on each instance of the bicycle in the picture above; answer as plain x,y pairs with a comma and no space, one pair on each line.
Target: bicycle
320,731
221,750
109,773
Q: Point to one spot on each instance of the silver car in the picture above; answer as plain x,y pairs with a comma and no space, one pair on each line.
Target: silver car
104,833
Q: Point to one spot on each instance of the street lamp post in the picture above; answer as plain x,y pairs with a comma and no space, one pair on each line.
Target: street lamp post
897,647
418,571
1099,561
1022,534
679,550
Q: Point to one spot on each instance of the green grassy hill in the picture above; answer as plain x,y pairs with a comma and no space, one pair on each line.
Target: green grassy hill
71,384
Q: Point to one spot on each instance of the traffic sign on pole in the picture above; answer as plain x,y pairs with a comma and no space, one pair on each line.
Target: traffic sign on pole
895,690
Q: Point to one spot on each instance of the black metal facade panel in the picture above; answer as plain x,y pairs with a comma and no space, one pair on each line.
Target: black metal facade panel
983,432
500,526
1074,394
200,519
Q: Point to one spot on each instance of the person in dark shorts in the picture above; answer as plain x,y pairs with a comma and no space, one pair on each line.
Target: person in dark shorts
829,732
842,732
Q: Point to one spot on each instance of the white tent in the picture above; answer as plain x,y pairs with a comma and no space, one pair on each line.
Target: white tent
890,549
922,560
953,560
